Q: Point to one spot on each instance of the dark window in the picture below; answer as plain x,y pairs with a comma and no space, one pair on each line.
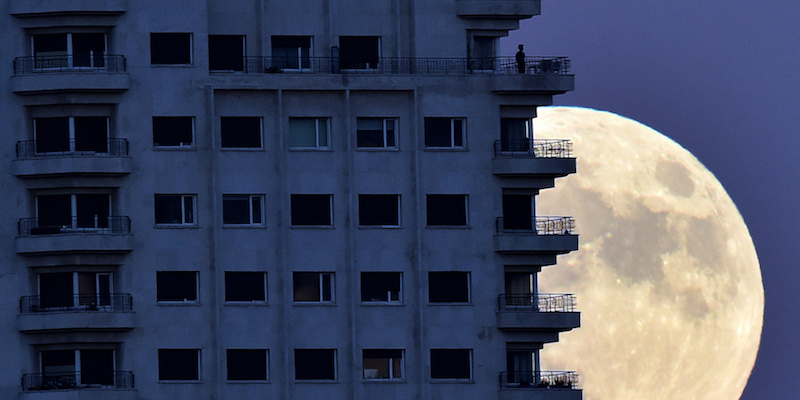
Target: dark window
451,363
247,364
313,287
52,134
381,286
315,364
291,52
241,209
97,367
178,364
173,131
448,287
226,52
379,209
54,210
59,366
308,133
446,209
245,286
241,132
178,286
311,209
383,363
55,290
444,132
92,210
517,212
89,134
174,209
376,132
515,134
51,50
170,48
359,52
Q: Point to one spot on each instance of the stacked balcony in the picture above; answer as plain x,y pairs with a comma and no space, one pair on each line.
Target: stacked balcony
107,157
47,8
90,72
106,312
511,9
540,385
545,159
97,234
535,236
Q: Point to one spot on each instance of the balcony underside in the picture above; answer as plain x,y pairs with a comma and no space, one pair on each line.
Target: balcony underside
531,84
519,9
46,8
81,394
82,82
72,165
532,244
538,321
88,321
540,394
74,243
533,167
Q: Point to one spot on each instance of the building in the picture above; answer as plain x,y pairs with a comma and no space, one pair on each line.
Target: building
270,199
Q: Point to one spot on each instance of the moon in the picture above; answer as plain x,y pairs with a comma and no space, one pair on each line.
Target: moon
666,278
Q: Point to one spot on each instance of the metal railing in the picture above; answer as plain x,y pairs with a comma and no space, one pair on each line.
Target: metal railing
115,147
540,148
539,379
399,66
536,225
78,380
110,302
88,62
97,224
541,302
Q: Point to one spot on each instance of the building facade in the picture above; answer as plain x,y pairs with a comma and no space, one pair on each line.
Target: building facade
272,199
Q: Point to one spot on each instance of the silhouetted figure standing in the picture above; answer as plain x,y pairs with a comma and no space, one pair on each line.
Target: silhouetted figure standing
520,60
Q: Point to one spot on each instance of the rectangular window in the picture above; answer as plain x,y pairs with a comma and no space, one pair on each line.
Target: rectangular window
170,48
315,364
448,287
518,212
226,52
173,131
69,50
71,134
176,286
314,287
65,211
382,287
64,369
242,209
383,364
250,287
291,52
451,363
359,52
444,133
446,209
309,133
89,291
247,364
379,209
241,132
376,133
175,209
516,134
312,209
179,364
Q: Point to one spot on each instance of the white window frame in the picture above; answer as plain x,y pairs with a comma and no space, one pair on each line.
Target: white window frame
391,367
453,134
317,121
70,55
250,199
227,361
183,145
389,298
71,133
385,145
264,282
320,288
184,301
183,198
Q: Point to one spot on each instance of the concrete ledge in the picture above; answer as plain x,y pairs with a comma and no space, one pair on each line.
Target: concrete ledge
540,394
81,394
72,165
70,82
67,243
498,8
538,321
39,8
535,244
50,322
529,83
533,167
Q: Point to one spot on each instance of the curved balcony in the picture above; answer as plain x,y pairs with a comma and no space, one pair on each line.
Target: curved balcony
543,385
95,382
536,236
545,159
537,312
47,8
101,312
108,158
70,73
518,9
90,235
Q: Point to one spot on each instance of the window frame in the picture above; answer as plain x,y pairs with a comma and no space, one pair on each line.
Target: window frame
453,145
251,199
182,145
199,365
390,366
335,365
243,57
228,365
222,145
190,49
428,198
399,212
317,121
320,287
183,198
458,379
264,279
389,300
468,301
385,135
292,209
185,301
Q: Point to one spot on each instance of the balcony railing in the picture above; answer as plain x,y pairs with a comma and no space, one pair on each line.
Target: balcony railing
541,302
115,147
78,380
536,226
542,148
399,66
89,63
98,224
539,379
111,302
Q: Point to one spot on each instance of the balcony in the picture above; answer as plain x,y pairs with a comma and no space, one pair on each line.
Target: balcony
536,236
106,158
68,73
540,385
545,159
516,9
97,385
93,312
87,235
47,8
537,312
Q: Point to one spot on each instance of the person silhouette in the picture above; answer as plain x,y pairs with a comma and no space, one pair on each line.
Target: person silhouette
520,60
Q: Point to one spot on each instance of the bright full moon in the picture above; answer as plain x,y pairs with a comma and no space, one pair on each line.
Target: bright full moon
667,279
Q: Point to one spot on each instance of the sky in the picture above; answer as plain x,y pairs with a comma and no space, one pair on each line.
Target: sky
721,78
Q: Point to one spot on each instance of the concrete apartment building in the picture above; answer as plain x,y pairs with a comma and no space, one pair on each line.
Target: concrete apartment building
262,199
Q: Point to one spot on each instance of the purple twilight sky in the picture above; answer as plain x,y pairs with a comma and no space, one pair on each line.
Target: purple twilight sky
722,78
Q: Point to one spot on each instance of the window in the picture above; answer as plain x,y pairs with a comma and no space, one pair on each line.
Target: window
175,209
359,52
89,291
309,133
72,211
515,134
241,132
484,51
242,209
383,364
451,363
444,133
69,50
521,363
313,287
379,209
67,368
312,209
226,52
446,209
173,131
376,132
518,212
315,364
71,134
384,287
247,364
176,286
179,364
291,52
170,48
448,287
245,286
